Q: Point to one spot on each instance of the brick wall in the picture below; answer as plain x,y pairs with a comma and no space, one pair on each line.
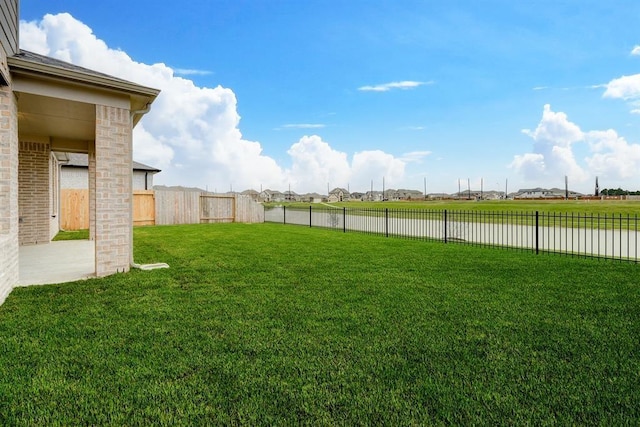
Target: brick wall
113,194
8,190
33,200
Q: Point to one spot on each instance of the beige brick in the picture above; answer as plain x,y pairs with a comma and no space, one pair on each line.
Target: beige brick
9,248
34,200
110,174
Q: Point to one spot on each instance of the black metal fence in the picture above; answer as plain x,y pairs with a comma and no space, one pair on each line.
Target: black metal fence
609,236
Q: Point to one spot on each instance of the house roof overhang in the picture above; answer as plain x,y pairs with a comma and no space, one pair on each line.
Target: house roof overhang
57,99
29,64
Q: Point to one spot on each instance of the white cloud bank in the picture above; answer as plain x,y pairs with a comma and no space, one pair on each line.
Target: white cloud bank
192,132
610,155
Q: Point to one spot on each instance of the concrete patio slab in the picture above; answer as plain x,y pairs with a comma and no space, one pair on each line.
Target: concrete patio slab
56,262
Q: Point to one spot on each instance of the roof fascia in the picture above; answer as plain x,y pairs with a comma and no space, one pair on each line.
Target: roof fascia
19,65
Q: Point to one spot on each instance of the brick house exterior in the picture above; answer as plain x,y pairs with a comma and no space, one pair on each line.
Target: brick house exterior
74,172
339,195
48,105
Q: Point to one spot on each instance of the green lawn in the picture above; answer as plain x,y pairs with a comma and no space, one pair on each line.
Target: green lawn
548,206
72,235
281,325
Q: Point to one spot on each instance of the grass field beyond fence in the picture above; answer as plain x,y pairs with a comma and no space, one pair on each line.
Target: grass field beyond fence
582,207
602,235
265,325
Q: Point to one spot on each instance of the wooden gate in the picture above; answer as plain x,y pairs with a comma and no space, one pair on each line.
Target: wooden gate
217,208
74,209
144,207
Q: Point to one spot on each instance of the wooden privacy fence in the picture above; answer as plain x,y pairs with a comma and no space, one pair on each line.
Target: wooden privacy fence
166,207
144,207
196,207
74,209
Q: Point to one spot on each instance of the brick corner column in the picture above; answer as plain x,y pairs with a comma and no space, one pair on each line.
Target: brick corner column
9,242
113,193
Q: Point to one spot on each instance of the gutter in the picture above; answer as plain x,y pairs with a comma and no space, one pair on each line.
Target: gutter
132,263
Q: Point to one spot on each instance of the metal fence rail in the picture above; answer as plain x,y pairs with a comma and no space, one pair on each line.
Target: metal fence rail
609,236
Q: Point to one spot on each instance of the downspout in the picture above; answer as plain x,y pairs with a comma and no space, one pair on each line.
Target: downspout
133,114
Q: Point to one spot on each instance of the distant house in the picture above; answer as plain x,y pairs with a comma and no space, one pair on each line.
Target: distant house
493,195
373,196
403,194
466,194
438,196
251,193
535,193
357,196
477,195
291,196
74,172
338,195
391,194
543,193
271,196
312,198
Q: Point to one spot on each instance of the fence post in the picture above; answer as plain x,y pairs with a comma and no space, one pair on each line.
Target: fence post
344,220
386,222
309,216
284,214
620,237
537,233
445,226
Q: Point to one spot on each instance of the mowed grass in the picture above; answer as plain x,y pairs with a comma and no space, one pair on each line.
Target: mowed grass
282,325
72,235
582,207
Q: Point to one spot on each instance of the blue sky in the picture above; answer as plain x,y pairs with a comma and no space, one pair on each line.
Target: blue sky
305,93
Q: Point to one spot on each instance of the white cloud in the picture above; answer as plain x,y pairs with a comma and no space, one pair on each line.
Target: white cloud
33,38
625,87
610,156
415,156
316,164
636,50
151,150
192,133
531,165
555,128
552,149
385,87
191,72
613,156
376,165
